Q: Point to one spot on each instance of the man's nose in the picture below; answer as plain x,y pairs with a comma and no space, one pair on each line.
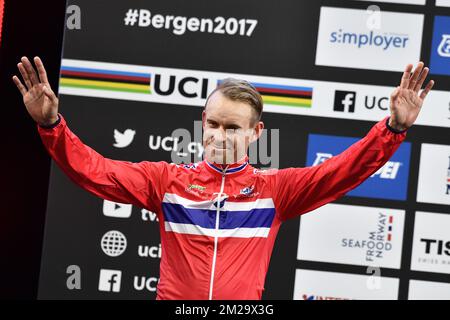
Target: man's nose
220,135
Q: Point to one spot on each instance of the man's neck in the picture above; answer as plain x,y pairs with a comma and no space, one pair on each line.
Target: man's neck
230,165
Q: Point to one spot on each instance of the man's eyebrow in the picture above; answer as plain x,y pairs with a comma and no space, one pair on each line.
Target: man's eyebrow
211,121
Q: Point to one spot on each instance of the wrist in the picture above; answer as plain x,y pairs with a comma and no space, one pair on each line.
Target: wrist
51,123
394,126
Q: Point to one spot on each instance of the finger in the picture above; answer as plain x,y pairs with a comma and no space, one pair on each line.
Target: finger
19,85
406,75
49,93
24,74
427,89
30,70
395,93
415,75
422,78
41,70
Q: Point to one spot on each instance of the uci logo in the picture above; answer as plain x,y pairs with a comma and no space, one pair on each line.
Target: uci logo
188,87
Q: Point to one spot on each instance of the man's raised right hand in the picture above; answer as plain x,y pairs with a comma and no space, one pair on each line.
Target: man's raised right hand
38,97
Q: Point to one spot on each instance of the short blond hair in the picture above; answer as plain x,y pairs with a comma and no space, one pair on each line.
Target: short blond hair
241,90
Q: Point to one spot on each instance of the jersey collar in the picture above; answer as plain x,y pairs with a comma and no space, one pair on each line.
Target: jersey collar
230,168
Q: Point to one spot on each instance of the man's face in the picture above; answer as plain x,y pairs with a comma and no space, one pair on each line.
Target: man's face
228,129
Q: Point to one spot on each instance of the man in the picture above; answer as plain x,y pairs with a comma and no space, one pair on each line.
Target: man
219,217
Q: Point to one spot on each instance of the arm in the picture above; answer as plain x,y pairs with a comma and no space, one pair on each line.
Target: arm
120,181
300,190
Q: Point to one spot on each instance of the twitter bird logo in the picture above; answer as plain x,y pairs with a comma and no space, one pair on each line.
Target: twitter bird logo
123,139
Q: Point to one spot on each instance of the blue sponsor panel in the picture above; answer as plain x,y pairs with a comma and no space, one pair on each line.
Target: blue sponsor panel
440,48
389,182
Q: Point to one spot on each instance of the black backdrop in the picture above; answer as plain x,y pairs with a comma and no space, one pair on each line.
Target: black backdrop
25,202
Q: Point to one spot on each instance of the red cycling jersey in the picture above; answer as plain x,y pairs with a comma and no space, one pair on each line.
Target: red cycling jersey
218,224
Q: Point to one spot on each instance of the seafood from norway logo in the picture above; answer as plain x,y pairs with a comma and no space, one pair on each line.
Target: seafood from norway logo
378,241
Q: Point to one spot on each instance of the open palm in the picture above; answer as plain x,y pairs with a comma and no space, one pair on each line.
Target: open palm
406,102
38,97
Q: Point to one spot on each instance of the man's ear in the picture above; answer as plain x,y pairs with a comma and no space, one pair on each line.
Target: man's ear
203,118
257,131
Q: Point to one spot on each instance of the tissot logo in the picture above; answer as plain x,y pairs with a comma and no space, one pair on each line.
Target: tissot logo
188,87
436,246
431,242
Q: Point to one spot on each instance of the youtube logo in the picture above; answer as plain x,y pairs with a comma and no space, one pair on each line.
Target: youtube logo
116,209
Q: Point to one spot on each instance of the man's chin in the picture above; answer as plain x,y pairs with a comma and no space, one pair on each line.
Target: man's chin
221,157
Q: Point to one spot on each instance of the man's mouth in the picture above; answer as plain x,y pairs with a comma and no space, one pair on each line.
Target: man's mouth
221,147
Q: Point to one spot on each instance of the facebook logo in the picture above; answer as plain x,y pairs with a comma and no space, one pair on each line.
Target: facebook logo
344,101
440,54
109,280
388,182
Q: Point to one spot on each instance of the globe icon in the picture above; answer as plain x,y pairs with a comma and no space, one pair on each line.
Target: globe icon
113,243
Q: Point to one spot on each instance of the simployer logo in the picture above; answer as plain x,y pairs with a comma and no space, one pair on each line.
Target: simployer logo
440,48
344,37
389,182
373,238
434,174
431,244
